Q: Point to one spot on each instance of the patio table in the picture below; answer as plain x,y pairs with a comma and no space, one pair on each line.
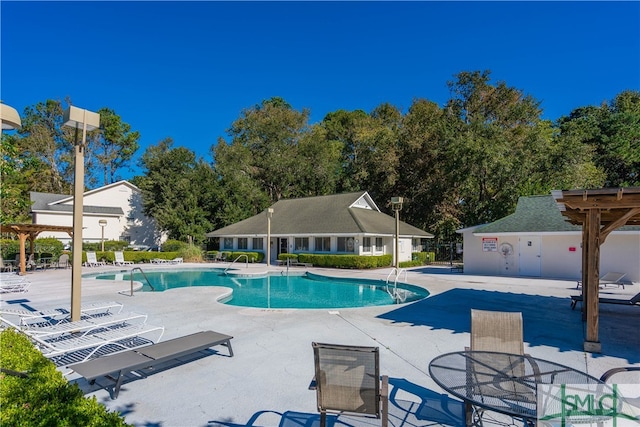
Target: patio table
504,383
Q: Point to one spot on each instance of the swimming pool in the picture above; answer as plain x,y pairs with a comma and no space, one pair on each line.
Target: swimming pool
281,291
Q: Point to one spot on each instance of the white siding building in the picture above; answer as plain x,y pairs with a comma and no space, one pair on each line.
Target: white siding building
119,204
536,241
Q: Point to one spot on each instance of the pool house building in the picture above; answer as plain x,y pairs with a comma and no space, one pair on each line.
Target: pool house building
348,223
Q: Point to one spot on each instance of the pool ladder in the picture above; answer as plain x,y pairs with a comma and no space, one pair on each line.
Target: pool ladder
234,261
398,295
145,278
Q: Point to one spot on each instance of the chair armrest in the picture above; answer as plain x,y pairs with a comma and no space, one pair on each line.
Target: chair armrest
614,371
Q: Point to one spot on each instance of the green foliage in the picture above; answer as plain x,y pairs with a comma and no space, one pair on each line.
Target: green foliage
284,257
253,256
9,248
49,245
174,246
138,257
191,253
346,261
412,263
181,192
423,257
43,397
115,145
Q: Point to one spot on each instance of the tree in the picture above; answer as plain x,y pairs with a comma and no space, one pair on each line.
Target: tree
612,132
500,143
115,146
179,191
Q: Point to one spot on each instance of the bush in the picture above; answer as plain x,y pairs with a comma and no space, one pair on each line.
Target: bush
191,253
284,257
174,246
413,263
345,261
42,396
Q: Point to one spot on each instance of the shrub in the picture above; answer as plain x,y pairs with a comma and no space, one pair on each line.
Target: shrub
190,253
284,257
345,261
42,396
173,246
412,263
49,245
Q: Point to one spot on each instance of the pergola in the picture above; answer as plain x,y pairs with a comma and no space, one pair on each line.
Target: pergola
599,212
30,231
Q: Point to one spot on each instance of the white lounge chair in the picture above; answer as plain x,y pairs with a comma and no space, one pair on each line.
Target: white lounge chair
87,325
119,259
66,349
611,278
12,283
92,260
56,315
159,261
176,261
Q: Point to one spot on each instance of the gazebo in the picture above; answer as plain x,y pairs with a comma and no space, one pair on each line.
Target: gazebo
599,212
30,231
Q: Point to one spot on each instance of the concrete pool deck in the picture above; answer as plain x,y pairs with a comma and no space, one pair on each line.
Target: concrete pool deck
266,382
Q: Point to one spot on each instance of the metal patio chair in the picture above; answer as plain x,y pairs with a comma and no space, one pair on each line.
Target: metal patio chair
348,382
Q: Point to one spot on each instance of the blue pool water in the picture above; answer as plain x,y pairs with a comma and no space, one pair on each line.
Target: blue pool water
281,291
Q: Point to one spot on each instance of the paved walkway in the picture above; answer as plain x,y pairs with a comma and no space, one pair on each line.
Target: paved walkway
266,382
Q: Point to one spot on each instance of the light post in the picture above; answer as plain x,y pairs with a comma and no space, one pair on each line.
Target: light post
103,223
9,118
269,215
396,205
78,118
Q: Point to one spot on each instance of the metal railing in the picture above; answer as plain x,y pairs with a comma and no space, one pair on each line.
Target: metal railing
234,261
145,277
395,293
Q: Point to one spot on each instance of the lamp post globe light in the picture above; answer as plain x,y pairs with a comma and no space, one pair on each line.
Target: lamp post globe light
78,119
396,205
103,224
9,117
269,216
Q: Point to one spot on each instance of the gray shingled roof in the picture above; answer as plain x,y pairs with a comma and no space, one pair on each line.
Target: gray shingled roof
42,202
320,215
534,214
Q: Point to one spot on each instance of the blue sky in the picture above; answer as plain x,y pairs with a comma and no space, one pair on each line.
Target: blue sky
186,70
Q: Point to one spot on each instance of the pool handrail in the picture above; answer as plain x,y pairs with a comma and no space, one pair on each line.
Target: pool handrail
234,261
395,294
145,276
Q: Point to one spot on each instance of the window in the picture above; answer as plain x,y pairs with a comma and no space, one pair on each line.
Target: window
257,244
301,244
366,244
242,243
323,244
345,244
379,246
227,243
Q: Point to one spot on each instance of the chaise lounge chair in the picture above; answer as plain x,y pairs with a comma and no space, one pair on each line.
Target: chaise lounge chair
92,260
115,367
635,300
66,349
12,283
348,382
85,326
57,315
119,259
611,278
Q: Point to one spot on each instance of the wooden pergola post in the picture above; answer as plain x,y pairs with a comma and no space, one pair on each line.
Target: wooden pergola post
30,231
599,212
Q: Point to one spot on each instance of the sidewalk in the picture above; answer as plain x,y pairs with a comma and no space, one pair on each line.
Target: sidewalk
267,380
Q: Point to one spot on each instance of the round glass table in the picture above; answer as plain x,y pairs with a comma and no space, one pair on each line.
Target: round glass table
504,383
